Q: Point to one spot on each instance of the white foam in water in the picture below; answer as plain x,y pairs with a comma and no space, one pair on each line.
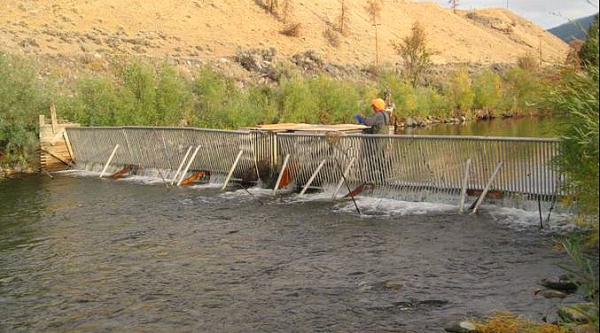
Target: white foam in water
530,219
390,208
369,206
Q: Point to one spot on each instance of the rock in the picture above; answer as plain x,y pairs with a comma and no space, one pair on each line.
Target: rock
462,327
550,293
390,285
562,284
433,303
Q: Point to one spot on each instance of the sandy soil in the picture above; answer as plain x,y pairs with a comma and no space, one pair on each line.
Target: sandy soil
211,29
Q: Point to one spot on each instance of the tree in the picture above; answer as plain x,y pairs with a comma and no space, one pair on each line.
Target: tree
415,55
373,8
454,4
343,19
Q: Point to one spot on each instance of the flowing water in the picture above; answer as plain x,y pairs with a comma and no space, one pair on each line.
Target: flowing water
81,254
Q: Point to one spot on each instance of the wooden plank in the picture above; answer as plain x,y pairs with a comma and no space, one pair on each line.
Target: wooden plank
69,148
53,117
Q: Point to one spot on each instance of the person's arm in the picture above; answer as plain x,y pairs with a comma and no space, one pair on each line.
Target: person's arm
375,119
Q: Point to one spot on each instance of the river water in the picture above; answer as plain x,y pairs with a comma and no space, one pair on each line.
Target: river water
542,127
81,254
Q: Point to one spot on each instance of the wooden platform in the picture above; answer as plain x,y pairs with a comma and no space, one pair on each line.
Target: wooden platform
300,127
55,150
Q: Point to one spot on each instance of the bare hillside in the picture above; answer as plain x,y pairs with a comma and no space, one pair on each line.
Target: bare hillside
211,29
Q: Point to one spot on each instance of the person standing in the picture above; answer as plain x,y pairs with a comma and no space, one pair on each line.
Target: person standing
378,120
373,157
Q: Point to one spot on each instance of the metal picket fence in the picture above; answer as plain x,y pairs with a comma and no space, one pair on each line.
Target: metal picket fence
394,165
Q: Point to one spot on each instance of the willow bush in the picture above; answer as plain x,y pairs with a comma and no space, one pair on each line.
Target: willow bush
22,98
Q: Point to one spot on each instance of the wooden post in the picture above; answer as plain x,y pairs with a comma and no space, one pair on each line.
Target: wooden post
487,187
463,191
237,159
181,164
344,176
53,117
69,148
109,160
188,166
312,178
285,162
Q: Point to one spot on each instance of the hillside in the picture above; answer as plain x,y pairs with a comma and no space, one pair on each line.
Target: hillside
576,29
210,29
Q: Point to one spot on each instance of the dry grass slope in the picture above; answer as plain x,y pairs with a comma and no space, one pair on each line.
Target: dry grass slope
211,29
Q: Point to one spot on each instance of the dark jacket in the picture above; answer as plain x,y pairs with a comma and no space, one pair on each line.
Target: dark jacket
378,122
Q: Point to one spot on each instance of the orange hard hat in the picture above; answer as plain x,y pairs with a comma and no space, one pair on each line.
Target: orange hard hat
378,103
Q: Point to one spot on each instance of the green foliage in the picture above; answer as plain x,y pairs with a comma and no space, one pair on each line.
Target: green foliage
584,273
524,91
174,97
141,93
459,93
577,100
22,98
97,103
487,89
589,50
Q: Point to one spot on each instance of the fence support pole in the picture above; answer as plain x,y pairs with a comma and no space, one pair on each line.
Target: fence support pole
187,167
181,164
237,159
487,187
463,191
109,160
344,176
285,162
310,180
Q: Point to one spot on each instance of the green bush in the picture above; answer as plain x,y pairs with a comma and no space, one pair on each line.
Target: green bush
174,97
22,99
459,93
524,92
487,89
577,100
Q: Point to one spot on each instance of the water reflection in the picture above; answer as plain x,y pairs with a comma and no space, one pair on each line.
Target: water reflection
22,204
516,127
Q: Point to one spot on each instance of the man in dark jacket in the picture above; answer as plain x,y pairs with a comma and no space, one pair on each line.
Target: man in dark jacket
373,158
378,120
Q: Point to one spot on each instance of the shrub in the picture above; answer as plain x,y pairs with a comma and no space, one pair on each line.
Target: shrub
22,98
174,98
291,30
487,90
525,91
577,100
331,37
459,93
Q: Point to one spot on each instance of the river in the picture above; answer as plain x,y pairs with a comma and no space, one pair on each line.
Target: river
523,127
82,254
